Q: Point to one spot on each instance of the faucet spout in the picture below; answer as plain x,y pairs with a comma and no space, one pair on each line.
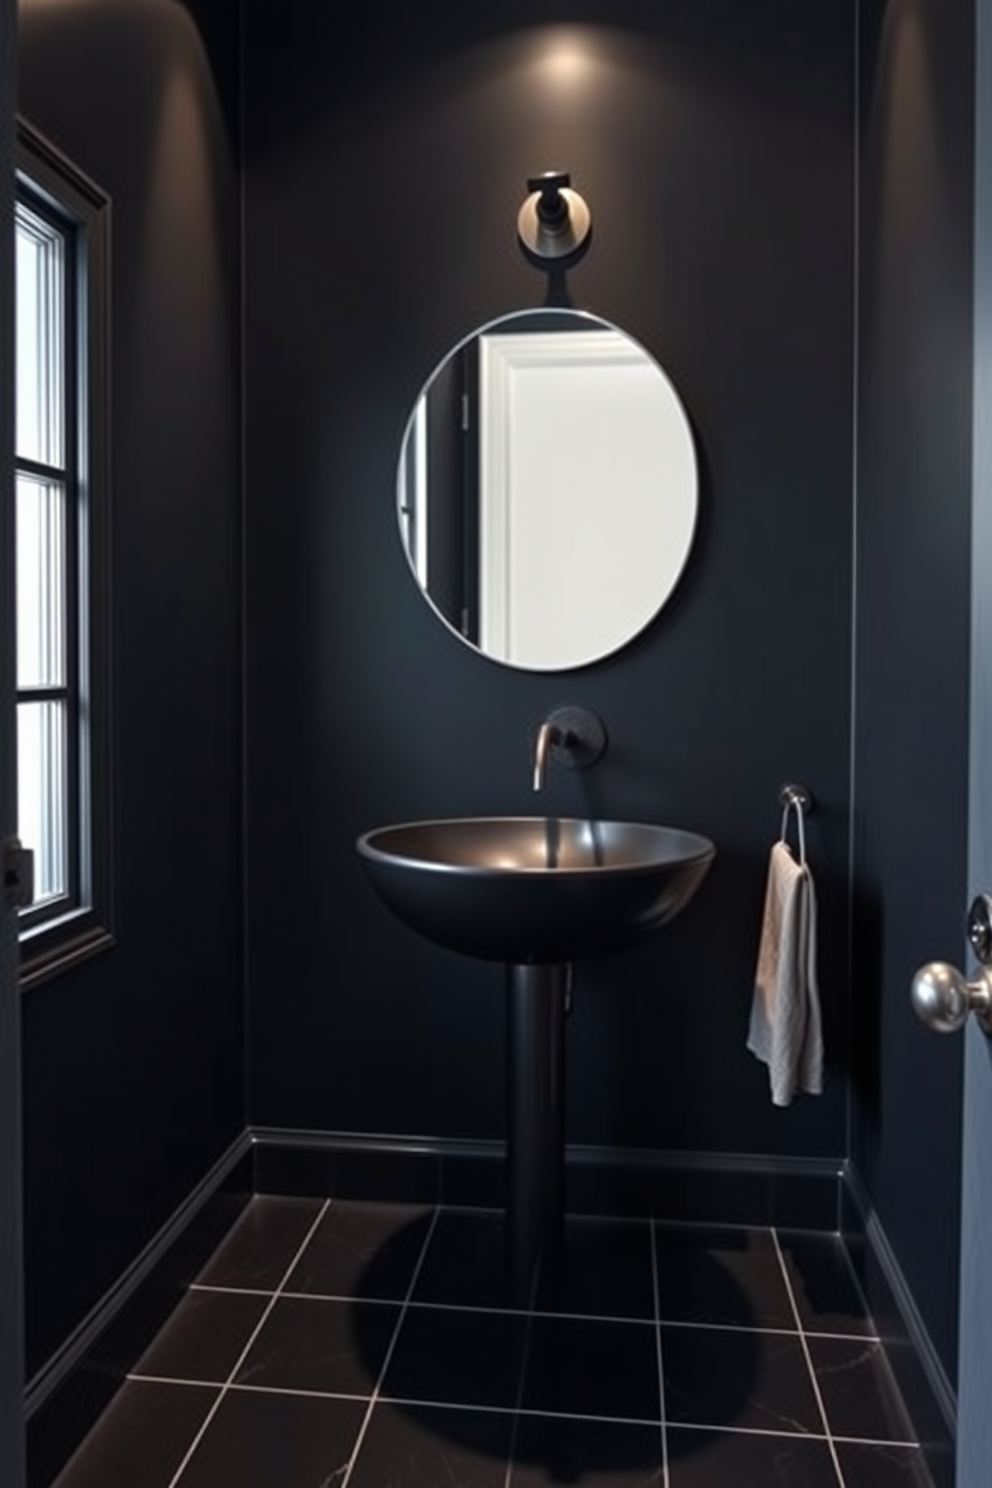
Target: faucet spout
575,737
547,735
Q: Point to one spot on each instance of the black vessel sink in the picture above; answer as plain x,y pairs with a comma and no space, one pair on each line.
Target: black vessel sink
532,890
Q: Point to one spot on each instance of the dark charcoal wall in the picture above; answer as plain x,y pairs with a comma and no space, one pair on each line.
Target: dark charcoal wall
914,514
133,1063
384,168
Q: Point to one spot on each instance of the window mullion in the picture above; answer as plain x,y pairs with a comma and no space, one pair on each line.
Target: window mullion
24,466
42,694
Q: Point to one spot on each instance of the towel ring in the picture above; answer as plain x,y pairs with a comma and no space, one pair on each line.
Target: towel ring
798,799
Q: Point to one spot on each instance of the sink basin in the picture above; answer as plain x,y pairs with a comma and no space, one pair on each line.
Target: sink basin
534,890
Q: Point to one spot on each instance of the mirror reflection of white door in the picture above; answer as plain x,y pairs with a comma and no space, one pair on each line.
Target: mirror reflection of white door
574,427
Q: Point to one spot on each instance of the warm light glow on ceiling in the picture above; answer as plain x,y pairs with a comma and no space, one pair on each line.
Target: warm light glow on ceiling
566,59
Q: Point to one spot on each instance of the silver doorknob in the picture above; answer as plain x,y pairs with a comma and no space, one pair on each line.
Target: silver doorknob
942,997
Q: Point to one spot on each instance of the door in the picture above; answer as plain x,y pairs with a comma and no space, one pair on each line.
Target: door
974,1469
975,1355
11,1351
974,1445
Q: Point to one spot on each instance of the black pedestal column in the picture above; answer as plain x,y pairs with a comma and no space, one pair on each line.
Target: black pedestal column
535,1118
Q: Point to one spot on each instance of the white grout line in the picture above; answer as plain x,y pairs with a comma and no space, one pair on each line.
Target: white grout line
168,1379
512,1410
389,1352
809,1362
670,1322
535,1312
852,1275
165,1379
424,1306
771,1332
237,1291
844,1337
871,1441
575,1317
241,1357
346,1301
812,1436
285,1390
518,1410
415,1404
661,1362
559,1415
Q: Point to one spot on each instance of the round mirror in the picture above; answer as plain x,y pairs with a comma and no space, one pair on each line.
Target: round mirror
547,489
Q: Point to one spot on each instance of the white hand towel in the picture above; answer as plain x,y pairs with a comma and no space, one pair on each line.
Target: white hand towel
785,1030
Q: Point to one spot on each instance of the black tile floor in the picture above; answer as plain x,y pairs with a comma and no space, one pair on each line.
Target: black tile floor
347,1345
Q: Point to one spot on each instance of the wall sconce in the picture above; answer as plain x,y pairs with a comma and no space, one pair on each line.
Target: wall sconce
554,222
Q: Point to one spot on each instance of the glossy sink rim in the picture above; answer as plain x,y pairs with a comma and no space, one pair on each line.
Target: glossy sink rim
534,889
385,844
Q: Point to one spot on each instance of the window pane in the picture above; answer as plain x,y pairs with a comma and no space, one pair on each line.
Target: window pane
40,335
41,581
42,818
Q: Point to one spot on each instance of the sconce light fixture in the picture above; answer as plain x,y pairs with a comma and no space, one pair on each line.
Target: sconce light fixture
554,222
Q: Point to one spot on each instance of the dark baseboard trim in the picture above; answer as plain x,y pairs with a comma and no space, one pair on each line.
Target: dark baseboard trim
714,1187
919,1372
65,1397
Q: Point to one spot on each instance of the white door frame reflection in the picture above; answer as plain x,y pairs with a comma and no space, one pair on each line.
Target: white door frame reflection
548,489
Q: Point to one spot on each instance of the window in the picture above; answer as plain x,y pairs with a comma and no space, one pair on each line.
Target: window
60,515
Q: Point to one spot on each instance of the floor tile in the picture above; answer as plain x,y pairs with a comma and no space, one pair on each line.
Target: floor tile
606,1270
141,1437
311,1344
858,1393
597,1454
204,1337
731,1459
362,1250
826,1293
882,1467
466,1261
600,1368
738,1399
258,1440
738,1377
721,1275
424,1446
263,1243
457,1357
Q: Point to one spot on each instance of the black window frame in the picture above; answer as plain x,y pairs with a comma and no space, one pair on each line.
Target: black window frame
63,931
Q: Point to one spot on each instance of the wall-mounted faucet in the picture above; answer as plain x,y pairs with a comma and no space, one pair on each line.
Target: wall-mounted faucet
574,737
547,733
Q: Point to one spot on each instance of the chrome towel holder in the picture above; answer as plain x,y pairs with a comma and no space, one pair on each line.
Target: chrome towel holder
796,798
